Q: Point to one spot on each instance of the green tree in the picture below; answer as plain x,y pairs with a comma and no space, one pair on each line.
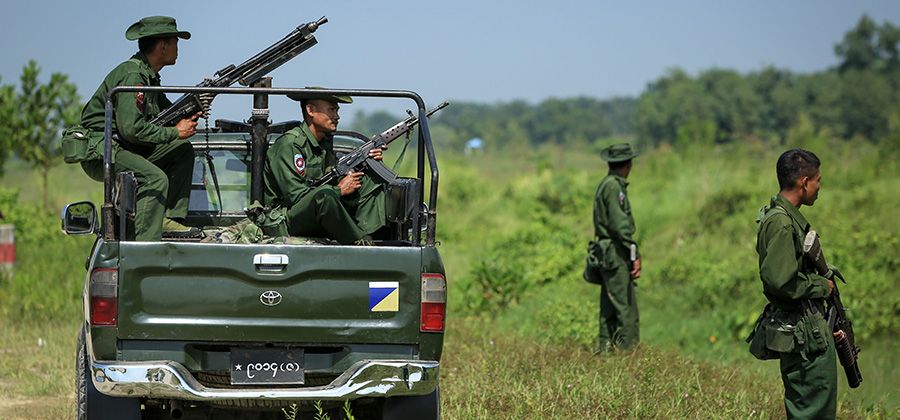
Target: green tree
43,110
7,113
858,49
865,104
736,106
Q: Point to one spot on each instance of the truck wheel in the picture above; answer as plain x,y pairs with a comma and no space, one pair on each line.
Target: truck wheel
90,404
417,407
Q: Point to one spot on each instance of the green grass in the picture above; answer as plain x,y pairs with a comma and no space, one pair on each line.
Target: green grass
513,230
695,210
487,373
37,369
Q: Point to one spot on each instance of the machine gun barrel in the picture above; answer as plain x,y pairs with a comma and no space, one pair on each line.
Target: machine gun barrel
292,45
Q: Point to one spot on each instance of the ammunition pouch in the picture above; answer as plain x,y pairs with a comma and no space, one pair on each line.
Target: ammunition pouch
757,338
601,257
80,144
272,222
778,331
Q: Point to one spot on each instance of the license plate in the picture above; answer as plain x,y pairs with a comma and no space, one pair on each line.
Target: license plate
266,366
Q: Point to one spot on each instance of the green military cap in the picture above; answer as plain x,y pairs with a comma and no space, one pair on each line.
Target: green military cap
618,153
323,96
155,26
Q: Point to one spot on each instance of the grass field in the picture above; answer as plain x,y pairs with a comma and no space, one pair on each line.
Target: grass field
513,230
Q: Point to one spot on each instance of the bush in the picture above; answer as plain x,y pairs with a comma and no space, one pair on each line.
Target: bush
46,284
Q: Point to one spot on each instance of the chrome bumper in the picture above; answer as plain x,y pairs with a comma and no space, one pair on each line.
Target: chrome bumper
166,379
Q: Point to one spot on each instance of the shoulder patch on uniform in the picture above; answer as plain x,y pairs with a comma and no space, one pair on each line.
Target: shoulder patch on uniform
300,164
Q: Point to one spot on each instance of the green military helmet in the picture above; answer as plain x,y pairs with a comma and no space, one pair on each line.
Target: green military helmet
155,26
324,96
618,153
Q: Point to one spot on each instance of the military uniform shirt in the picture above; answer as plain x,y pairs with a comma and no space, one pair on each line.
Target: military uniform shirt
612,212
779,244
293,162
132,110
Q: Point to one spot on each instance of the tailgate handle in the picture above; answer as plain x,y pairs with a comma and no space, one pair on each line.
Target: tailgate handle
270,263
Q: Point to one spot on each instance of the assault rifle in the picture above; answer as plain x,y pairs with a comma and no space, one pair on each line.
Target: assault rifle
844,342
290,46
360,156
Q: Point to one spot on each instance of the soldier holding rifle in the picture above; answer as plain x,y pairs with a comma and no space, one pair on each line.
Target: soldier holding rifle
161,161
349,210
792,328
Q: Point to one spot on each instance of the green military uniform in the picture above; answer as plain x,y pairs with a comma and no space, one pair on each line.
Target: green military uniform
293,162
614,230
161,164
793,328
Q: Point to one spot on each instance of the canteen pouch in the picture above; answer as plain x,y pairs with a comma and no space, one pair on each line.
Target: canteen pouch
781,337
601,256
757,339
79,144
591,270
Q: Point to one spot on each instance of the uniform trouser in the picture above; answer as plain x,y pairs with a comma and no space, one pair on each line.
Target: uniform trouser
810,386
618,309
163,174
324,212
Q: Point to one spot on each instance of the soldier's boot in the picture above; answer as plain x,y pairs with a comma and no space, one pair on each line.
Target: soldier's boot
174,229
605,346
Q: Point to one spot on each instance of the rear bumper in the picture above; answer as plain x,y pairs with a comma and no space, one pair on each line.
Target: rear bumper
166,379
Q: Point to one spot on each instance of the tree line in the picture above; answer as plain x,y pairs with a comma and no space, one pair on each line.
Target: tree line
859,97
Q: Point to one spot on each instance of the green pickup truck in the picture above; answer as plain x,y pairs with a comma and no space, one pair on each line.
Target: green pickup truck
218,326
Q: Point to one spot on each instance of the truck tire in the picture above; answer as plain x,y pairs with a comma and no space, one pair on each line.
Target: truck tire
90,404
425,407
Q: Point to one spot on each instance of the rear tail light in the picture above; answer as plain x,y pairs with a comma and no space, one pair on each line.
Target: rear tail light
104,297
434,302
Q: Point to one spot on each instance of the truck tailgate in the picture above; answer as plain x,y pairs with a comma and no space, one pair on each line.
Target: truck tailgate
269,293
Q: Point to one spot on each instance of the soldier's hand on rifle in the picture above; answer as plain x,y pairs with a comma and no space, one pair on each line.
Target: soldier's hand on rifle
830,287
636,269
350,183
188,126
376,153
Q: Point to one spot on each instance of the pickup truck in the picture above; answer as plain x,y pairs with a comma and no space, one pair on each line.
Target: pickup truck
211,327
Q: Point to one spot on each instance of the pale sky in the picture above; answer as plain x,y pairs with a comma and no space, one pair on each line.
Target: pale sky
483,51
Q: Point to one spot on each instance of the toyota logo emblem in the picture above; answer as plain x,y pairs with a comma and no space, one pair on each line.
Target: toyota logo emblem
270,298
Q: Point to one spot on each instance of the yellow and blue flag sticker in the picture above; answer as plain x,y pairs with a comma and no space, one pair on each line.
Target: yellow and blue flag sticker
384,296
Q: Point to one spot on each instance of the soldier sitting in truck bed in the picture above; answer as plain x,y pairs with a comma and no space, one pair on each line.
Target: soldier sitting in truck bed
349,211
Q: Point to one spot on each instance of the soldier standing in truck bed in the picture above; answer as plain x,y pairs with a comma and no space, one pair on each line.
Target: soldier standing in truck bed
161,161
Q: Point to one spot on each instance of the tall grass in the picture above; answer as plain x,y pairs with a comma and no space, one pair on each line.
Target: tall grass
695,210
513,231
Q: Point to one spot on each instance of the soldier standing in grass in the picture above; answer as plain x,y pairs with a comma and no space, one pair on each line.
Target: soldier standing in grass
159,157
792,327
613,259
